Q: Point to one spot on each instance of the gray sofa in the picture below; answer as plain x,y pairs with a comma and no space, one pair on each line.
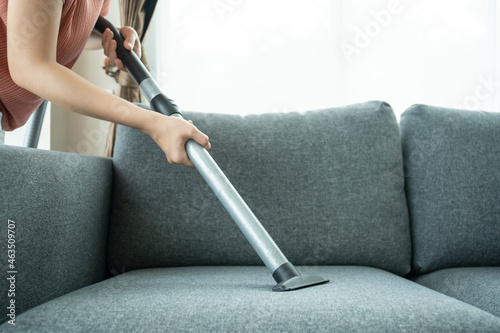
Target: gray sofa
404,219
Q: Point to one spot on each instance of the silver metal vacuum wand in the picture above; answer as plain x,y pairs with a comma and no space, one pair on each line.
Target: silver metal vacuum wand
285,274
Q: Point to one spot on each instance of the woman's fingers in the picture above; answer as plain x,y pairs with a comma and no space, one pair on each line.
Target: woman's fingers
179,155
201,138
131,42
107,40
171,134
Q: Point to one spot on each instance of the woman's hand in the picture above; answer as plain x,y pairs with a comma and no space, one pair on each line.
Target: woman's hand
171,134
131,43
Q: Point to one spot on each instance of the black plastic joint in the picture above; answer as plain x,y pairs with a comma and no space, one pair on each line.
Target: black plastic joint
165,105
285,272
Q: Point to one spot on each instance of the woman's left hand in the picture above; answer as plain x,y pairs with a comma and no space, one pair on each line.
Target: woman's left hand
131,43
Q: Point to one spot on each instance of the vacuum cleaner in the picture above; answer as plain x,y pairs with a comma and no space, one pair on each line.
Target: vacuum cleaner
283,271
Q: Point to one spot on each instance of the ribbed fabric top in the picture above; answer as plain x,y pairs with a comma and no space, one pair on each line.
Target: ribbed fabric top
77,21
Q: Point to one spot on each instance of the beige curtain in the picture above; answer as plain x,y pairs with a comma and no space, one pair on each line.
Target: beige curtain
136,14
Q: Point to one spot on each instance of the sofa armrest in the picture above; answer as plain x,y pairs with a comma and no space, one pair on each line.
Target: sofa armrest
53,218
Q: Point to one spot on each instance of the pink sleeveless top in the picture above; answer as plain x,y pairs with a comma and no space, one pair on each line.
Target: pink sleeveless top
77,21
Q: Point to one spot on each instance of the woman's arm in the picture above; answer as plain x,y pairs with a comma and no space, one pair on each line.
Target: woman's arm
33,66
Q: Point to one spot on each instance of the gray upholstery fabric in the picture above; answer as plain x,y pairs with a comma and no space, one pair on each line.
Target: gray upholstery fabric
453,181
2,132
479,286
60,204
327,185
239,299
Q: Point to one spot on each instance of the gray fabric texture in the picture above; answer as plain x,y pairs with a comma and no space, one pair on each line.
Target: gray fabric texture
452,184
59,203
2,132
479,286
239,299
327,185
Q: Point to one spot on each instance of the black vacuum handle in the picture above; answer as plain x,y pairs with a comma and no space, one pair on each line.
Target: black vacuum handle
159,102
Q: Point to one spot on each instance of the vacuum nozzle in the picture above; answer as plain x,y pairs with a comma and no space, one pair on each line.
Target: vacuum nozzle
288,278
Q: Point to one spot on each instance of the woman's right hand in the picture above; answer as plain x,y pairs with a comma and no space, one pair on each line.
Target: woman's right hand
171,134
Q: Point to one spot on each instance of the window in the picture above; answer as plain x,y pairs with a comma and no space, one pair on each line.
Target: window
254,56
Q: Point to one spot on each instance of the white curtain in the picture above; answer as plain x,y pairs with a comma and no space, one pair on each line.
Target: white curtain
254,56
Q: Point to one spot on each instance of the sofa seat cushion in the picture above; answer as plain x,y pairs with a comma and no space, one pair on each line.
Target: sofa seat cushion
327,185
238,298
479,286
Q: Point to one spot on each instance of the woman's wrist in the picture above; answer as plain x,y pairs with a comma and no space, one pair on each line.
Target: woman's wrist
170,133
147,120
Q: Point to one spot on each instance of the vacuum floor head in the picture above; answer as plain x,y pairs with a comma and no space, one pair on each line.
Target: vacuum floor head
299,282
289,278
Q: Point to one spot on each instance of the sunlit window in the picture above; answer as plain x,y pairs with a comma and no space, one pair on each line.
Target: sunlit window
253,56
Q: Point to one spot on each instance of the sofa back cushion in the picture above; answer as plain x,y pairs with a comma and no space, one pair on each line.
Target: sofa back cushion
327,185
452,161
